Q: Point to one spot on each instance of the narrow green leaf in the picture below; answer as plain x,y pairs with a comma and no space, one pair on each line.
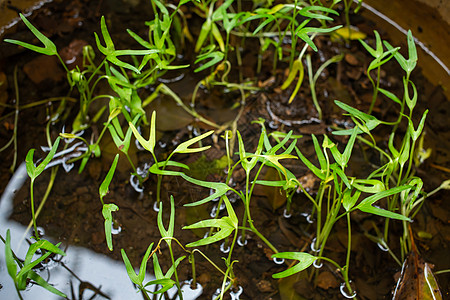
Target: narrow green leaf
410,102
370,121
292,73
307,11
204,32
137,279
129,267
318,172
183,147
225,229
29,264
107,215
415,134
156,168
214,58
371,186
305,260
390,95
219,189
150,144
50,47
319,153
349,200
104,187
340,172
169,232
33,171
9,257
366,204
41,282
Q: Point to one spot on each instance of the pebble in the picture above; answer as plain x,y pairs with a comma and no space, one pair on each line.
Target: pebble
351,59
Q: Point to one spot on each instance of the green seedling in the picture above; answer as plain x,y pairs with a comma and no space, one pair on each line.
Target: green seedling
33,172
49,47
167,235
313,79
213,57
305,261
137,279
165,280
220,189
381,57
26,272
123,141
226,226
112,54
297,67
162,280
108,208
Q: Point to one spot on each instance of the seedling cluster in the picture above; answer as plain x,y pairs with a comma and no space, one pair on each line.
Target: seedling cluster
275,28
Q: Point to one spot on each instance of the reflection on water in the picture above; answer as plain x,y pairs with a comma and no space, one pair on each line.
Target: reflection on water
82,271
9,11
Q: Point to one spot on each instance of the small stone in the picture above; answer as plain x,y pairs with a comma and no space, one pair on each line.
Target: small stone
354,73
3,91
81,190
264,286
72,55
326,280
42,68
95,169
204,278
97,237
351,59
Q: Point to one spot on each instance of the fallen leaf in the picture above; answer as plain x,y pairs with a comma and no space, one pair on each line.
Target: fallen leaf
350,33
416,281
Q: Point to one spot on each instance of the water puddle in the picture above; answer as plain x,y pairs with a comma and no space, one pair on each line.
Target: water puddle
82,272
9,11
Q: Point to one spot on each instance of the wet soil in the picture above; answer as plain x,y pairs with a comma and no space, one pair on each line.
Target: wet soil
73,212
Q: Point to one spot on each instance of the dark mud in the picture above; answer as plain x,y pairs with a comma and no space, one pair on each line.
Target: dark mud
72,214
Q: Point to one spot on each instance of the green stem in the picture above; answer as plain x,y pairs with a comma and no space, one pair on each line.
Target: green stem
194,277
312,86
177,281
375,92
347,261
32,210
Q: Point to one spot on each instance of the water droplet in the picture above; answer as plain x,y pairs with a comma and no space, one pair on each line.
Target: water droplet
216,294
313,246
235,295
344,292
156,206
240,243
138,145
317,265
286,214
189,292
382,246
213,212
41,231
67,167
116,230
278,261
233,199
134,182
223,249
162,145
273,125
